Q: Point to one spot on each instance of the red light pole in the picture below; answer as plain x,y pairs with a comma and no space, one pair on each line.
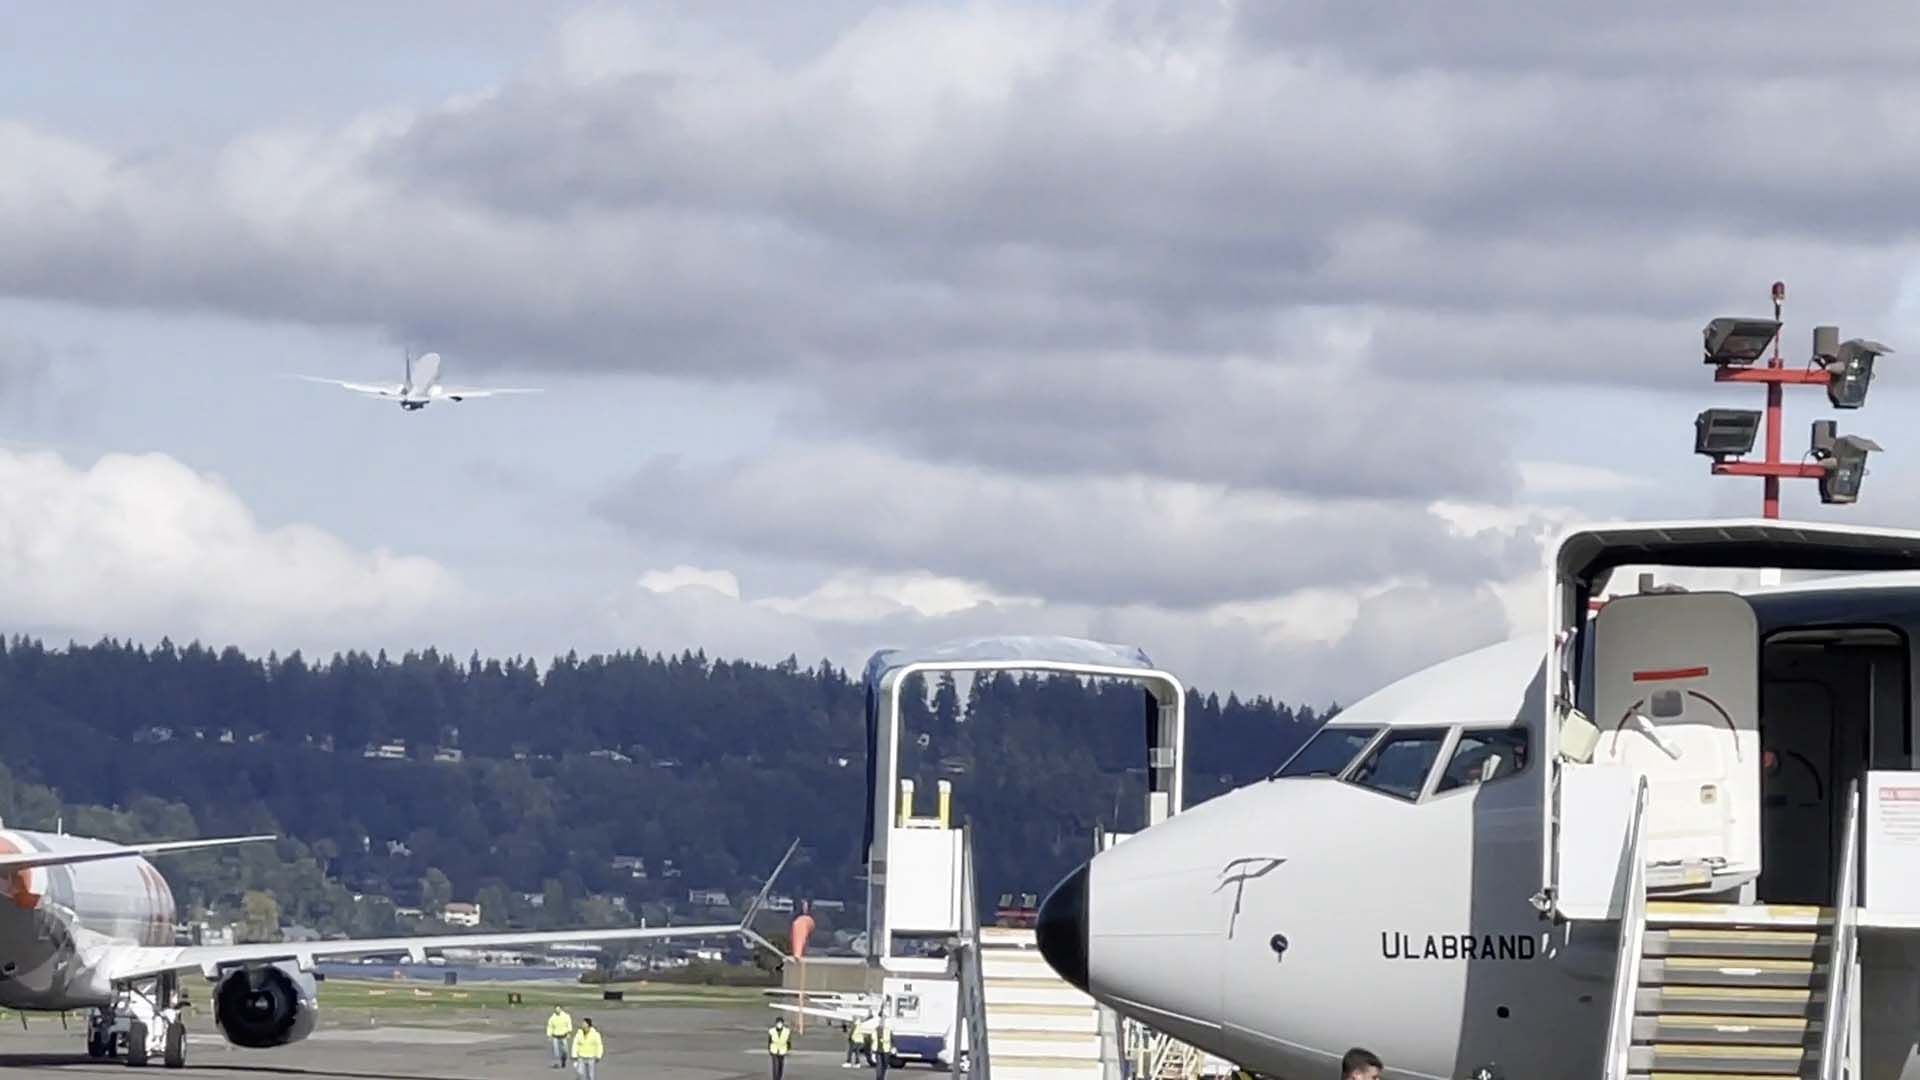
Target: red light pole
1776,376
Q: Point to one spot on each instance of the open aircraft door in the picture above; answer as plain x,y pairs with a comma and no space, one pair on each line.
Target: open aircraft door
1676,691
1665,687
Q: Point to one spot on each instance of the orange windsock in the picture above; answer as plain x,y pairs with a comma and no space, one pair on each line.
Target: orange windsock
802,927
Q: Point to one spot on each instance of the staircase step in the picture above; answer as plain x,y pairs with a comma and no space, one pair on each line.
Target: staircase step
1730,1000
1721,942
1714,971
1809,1073
999,994
1750,1030
1017,963
1709,1058
1690,913
1026,1067
1067,1046
1071,1018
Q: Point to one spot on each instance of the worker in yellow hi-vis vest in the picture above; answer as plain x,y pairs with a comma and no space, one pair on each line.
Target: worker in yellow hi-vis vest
779,1041
588,1050
882,1048
560,1033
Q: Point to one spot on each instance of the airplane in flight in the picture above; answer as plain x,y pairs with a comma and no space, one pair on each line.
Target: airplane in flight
1631,846
422,386
88,924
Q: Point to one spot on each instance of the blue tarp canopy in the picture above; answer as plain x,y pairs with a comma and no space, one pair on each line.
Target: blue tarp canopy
1013,648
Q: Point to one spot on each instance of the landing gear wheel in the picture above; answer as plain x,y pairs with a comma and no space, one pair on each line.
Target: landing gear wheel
176,1045
136,1044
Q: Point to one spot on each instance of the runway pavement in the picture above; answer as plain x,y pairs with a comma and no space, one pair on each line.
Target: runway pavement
657,1042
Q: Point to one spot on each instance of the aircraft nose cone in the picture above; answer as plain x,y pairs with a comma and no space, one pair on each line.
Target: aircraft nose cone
1061,928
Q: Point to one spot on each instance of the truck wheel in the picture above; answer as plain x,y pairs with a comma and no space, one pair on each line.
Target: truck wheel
176,1045
136,1044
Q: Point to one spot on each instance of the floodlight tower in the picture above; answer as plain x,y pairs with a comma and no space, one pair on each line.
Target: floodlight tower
1844,368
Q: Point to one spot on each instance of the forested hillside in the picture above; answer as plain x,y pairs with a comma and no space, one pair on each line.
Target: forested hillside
700,770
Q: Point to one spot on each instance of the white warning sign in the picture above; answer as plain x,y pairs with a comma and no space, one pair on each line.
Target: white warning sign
1893,843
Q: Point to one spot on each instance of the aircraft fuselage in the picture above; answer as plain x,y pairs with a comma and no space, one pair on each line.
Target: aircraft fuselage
56,922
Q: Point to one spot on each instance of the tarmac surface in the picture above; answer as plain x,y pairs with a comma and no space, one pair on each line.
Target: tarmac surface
660,1042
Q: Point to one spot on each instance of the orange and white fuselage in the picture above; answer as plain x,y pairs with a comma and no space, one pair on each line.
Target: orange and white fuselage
59,924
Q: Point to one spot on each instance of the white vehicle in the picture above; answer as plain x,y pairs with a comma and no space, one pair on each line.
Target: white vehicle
1633,847
88,924
422,386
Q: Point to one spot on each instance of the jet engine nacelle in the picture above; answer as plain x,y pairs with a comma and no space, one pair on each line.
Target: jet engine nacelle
269,1005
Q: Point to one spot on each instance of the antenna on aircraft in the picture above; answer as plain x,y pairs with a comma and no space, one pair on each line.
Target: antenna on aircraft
1845,369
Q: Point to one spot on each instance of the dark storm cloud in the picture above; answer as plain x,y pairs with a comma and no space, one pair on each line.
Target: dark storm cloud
1325,429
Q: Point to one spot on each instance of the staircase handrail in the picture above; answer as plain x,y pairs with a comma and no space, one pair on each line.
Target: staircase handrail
973,991
1633,935
1837,1018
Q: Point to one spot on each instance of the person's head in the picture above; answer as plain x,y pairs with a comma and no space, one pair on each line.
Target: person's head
588,1022
779,1021
1360,1064
558,1009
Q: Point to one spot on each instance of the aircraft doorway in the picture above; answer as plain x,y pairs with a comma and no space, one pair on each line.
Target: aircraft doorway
1833,703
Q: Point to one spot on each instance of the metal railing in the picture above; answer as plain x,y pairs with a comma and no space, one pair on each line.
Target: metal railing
1633,936
973,990
1836,1049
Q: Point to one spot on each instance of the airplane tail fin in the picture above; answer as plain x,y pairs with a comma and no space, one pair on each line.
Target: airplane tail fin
746,921
28,860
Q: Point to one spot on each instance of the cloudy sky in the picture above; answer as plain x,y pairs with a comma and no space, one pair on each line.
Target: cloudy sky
1272,337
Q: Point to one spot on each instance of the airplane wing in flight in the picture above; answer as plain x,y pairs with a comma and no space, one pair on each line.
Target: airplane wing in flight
390,390
458,394
136,962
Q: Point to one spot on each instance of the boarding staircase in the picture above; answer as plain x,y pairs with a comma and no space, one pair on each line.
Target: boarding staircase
1715,991
1039,1026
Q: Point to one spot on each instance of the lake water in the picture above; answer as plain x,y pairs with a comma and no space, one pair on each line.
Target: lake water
437,973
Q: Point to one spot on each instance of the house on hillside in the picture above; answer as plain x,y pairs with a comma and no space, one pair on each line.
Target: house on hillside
458,914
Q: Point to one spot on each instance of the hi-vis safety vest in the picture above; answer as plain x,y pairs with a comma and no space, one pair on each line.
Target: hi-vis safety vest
779,1039
883,1040
559,1025
586,1044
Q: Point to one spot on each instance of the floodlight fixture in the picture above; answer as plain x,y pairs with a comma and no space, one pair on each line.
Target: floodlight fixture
1725,433
1850,370
1731,340
1845,460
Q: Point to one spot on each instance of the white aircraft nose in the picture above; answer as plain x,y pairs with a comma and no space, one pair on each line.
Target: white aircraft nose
1061,931
1142,925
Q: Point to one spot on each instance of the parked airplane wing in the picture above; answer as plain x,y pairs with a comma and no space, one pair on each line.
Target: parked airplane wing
838,1016
388,390
144,961
27,860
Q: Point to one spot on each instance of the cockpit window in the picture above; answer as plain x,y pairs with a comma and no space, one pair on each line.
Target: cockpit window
1483,755
1400,764
1329,752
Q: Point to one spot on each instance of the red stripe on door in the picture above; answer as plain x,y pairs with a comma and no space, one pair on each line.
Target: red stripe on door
1669,674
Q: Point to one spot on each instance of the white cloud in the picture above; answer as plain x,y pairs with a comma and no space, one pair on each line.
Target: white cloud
851,596
143,545
691,577
1100,541
1085,310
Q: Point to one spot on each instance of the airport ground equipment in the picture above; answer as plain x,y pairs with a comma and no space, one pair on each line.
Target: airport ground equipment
1006,1014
